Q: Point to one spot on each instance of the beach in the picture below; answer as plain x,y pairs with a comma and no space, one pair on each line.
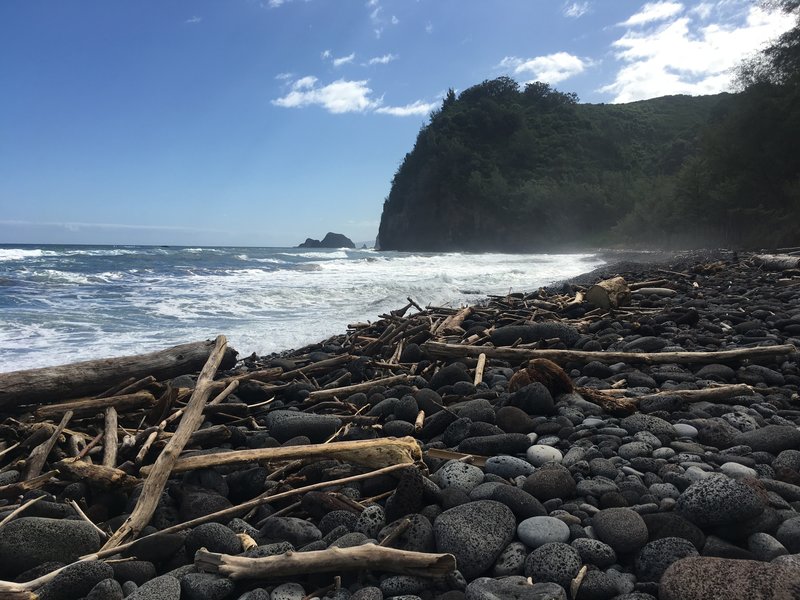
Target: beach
526,445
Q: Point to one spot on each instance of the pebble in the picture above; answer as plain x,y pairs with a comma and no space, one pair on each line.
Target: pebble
719,500
288,591
205,586
75,581
550,481
595,552
508,467
685,430
621,528
165,587
540,454
555,562
737,471
214,538
475,533
706,578
512,588
459,475
538,531
27,542
656,556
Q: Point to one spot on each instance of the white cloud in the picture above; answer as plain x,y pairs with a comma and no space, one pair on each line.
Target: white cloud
418,107
343,60
576,10
429,27
686,54
551,68
275,3
395,20
193,20
653,11
341,96
303,83
382,60
284,76
326,54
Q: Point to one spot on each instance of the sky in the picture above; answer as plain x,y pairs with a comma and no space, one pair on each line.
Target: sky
261,123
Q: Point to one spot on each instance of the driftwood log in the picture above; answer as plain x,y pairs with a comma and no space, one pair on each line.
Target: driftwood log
608,294
442,350
42,386
777,262
90,406
375,454
356,558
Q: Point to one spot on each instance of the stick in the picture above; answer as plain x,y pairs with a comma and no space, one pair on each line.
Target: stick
370,453
440,350
110,441
90,406
356,558
479,368
39,454
157,479
18,510
108,478
354,389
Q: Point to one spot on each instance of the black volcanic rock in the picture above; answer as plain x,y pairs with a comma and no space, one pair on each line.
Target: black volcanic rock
331,240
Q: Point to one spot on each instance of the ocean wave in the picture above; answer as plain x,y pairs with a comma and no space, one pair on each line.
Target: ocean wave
19,253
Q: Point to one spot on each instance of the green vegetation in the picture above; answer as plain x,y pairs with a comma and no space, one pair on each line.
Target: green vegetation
509,169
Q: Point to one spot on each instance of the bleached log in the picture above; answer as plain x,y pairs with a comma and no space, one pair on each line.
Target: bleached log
376,454
518,355
609,293
50,384
355,558
777,262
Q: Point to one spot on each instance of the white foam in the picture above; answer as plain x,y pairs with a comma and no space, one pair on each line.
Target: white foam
19,253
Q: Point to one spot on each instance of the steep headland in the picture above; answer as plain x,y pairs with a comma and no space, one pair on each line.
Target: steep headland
500,168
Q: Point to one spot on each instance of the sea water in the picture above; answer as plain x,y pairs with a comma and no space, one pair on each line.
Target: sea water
61,304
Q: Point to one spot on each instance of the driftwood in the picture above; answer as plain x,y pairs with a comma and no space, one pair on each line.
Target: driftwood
39,454
89,406
356,558
608,294
110,441
97,475
354,389
441,350
375,453
159,474
777,262
41,386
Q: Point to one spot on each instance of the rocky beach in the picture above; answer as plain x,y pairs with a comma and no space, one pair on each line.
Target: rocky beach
636,440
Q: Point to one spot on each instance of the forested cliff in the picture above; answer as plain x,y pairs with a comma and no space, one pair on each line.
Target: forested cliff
508,168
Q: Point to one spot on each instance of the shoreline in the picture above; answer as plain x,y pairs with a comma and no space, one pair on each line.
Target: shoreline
662,463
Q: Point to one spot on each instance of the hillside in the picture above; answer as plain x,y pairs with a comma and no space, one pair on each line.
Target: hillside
505,168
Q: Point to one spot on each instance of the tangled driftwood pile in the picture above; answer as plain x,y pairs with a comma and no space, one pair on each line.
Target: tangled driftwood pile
145,449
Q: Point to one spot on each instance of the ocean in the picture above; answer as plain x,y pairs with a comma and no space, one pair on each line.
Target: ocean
61,304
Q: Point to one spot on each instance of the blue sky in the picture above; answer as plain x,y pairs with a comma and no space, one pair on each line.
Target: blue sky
260,123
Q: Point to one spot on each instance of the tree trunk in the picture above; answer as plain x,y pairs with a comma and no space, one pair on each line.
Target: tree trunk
49,384
610,293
